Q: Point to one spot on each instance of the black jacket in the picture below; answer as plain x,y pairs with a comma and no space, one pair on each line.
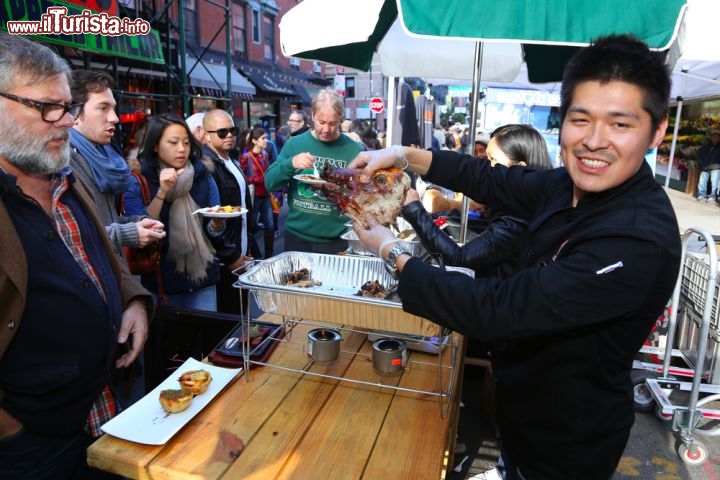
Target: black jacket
709,156
229,249
591,281
300,131
492,253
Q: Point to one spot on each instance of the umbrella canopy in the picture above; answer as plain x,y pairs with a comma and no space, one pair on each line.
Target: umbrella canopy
697,71
350,31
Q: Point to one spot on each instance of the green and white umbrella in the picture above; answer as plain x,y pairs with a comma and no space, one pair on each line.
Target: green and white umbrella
426,38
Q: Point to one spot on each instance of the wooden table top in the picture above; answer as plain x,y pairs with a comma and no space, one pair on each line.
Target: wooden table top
276,423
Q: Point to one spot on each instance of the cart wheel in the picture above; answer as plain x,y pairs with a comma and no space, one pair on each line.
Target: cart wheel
642,397
663,417
698,458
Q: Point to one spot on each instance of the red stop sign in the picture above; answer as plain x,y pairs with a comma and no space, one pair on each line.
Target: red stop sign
377,105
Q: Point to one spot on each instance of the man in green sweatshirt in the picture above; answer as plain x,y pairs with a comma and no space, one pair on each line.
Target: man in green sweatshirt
313,223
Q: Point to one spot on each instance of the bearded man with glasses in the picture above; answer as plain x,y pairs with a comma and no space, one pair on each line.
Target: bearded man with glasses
69,305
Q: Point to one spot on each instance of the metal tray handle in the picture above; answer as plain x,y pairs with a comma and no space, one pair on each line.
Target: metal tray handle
248,267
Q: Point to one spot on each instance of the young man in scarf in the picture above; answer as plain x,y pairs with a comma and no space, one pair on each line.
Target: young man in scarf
100,165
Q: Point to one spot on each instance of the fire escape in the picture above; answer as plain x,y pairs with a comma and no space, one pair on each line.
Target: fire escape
175,47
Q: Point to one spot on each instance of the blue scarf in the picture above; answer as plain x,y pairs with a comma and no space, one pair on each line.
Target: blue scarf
109,168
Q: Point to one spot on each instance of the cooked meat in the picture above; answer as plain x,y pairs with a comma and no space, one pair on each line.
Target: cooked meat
373,289
381,198
301,278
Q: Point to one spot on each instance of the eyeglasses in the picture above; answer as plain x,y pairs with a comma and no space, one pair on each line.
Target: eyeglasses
294,120
50,112
223,132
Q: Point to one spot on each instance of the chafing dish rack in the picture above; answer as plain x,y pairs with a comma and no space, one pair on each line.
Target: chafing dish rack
336,300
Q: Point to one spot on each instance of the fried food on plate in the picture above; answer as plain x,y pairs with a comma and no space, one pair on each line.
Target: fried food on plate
224,209
174,401
195,381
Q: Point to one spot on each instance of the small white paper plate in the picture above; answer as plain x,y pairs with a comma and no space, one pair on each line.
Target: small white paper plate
146,422
309,179
207,212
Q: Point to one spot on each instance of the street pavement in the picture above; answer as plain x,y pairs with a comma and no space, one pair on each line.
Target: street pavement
694,213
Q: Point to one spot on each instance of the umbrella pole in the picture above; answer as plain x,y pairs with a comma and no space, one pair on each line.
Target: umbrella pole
674,141
391,107
475,98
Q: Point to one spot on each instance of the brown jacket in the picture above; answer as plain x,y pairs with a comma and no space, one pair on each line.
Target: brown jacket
14,278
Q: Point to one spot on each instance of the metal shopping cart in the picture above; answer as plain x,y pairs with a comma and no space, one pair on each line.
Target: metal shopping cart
695,302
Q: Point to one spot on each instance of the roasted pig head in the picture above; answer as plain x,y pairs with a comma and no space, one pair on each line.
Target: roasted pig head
381,198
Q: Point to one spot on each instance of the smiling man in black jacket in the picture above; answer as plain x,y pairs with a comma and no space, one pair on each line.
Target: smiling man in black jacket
597,267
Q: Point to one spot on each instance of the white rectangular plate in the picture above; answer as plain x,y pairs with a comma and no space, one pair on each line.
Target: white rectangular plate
146,421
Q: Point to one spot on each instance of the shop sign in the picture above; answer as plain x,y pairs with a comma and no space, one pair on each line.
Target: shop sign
339,81
459,91
146,47
522,97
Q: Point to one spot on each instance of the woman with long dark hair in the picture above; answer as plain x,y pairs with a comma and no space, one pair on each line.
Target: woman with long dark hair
493,251
180,183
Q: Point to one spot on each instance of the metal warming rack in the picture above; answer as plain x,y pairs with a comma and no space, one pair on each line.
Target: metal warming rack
336,301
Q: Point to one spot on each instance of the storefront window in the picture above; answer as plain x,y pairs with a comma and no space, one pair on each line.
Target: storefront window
239,108
238,23
256,26
711,108
258,110
191,21
202,104
350,87
269,43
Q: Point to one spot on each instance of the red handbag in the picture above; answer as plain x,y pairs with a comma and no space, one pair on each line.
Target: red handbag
146,259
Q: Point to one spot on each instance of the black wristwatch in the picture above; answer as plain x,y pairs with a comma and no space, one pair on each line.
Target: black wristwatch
391,260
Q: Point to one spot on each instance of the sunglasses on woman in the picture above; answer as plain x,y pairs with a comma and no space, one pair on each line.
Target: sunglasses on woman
223,132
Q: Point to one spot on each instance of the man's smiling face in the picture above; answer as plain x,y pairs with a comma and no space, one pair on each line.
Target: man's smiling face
605,135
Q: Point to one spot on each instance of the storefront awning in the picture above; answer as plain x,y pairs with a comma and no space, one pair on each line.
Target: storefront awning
122,69
303,94
268,82
214,77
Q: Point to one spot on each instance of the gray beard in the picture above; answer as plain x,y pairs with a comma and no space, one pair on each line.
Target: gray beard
30,154
34,162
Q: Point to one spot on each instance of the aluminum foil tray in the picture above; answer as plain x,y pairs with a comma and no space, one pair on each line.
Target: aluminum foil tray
336,300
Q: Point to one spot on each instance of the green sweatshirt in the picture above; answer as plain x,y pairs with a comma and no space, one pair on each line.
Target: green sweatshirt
310,215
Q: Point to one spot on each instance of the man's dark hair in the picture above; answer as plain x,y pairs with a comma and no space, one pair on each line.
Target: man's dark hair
86,82
620,58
